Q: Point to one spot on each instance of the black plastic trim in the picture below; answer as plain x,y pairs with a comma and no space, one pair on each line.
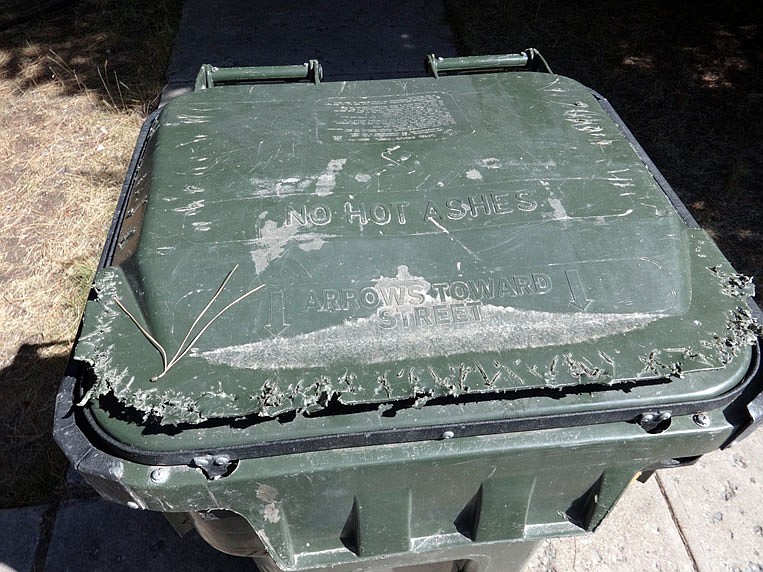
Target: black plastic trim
119,213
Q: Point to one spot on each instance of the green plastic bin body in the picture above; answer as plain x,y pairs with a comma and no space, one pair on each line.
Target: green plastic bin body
400,325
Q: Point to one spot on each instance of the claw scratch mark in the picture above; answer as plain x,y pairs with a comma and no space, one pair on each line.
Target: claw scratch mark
453,238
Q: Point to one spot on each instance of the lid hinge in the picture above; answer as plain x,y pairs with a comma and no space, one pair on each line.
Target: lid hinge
530,59
655,421
214,466
211,76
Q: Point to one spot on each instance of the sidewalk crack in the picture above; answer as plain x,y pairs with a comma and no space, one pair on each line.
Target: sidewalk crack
46,535
674,518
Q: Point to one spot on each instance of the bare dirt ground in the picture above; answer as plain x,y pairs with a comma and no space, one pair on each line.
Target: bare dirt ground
76,83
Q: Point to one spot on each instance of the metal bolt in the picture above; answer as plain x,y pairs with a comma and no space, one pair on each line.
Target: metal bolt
447,435
702,419
647,417
221,460
160,475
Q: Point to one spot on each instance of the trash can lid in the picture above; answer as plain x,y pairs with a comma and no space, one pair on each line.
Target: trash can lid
341,248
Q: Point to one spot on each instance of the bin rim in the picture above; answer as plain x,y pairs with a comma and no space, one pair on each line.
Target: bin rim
396,435
97,436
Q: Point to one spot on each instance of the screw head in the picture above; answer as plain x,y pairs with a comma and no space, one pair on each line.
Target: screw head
447,435
702,419
160,475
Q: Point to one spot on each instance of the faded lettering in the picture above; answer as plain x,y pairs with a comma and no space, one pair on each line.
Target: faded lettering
426,315
479,205
319,215
380,214
385,118
417,294
494,287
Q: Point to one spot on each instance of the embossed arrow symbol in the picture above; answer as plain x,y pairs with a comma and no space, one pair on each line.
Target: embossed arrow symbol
578,297
277,324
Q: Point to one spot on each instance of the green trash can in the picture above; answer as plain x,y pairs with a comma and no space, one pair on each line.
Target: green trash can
400,325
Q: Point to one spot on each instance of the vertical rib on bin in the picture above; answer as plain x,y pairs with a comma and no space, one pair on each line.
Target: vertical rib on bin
379,523
499,509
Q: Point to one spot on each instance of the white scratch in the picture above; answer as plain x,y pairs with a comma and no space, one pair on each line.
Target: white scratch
327,180
191,208
453,238
490,163
560,212
386,153
202,226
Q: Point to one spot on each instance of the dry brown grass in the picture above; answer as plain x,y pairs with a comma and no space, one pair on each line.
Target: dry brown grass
69,121
66,156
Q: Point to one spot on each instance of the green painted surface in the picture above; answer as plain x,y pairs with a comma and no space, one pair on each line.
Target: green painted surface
413,239
358,509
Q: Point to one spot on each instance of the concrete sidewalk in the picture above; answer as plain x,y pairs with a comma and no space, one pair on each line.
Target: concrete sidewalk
705,518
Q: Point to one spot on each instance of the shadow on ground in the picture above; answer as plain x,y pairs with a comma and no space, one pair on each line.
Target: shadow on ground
688,81
34,467
117,49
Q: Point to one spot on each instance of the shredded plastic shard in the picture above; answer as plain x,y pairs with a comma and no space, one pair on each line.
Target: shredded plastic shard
480,267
